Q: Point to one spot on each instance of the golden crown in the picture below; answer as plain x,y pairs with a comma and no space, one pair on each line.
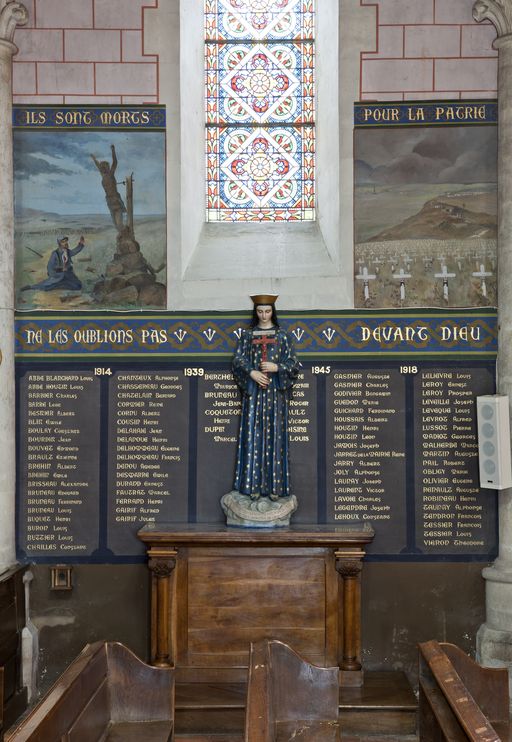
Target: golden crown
264,298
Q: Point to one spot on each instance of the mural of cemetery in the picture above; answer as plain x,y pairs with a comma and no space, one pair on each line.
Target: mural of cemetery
425,217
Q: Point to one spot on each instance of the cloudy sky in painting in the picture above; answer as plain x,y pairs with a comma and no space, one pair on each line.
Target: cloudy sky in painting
54,171
427,155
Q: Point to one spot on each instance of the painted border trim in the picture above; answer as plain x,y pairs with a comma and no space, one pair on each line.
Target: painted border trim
56,336
426,113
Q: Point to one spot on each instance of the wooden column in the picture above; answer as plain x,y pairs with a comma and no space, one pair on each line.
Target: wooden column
349,566
161,563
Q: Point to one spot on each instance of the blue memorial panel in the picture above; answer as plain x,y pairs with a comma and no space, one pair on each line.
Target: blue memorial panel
129,419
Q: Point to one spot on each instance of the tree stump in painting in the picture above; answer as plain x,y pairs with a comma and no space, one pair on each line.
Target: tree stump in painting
129,278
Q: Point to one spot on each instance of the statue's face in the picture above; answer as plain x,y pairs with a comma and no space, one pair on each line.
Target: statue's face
264,314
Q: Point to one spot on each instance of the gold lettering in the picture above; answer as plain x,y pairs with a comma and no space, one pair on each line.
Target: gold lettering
35,118
416,114
382,114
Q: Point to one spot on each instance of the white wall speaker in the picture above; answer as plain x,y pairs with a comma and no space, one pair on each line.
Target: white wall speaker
493,421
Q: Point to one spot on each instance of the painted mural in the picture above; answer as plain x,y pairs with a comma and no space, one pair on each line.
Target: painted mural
425,222
90,225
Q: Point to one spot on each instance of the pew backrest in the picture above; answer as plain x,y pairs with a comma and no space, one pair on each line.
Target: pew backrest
106,684
459,699
287,692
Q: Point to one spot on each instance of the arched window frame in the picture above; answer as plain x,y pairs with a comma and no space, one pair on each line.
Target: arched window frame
212,266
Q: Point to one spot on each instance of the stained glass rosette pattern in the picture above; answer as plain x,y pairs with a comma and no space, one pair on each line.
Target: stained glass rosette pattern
260,137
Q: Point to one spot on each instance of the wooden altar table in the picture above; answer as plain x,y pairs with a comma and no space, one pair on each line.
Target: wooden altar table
215,588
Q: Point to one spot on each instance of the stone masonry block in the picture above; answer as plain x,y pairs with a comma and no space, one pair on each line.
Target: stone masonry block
406,11
22,100
68,14
132,47
466,74
92,46
139,100
39,45
454,11
477,40
390,43
381,97
397,75
119,13
126,79
432,41
93,100
66,78
24,78
445,95
477,94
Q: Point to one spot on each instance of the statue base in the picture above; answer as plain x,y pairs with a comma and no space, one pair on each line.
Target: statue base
242,510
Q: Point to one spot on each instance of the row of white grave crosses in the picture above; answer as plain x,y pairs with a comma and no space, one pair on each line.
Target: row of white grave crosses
365,276
377,260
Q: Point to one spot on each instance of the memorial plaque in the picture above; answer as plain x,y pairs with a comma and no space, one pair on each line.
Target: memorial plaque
453,515
59,455
218,419
365,452
302,431
148,454
105,449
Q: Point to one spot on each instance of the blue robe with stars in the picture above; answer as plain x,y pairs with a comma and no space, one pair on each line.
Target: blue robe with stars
262,460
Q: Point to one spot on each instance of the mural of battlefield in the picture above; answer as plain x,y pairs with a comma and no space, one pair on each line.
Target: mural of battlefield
105,187
425,220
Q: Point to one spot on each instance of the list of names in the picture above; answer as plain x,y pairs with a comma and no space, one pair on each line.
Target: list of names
366,452
218,420
103,451
148,462
452,513
59,457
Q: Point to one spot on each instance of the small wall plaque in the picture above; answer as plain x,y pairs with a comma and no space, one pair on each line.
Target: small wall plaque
61,577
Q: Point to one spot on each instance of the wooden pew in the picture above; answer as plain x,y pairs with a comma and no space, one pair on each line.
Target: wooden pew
288,698
12,621
459,699
107,693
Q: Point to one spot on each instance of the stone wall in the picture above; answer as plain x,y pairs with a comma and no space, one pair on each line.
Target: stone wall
85,51
428,49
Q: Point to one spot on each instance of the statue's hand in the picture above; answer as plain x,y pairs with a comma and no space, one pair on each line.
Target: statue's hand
260,378
268,367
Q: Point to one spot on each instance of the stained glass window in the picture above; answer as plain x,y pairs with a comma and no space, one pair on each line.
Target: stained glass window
260,113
